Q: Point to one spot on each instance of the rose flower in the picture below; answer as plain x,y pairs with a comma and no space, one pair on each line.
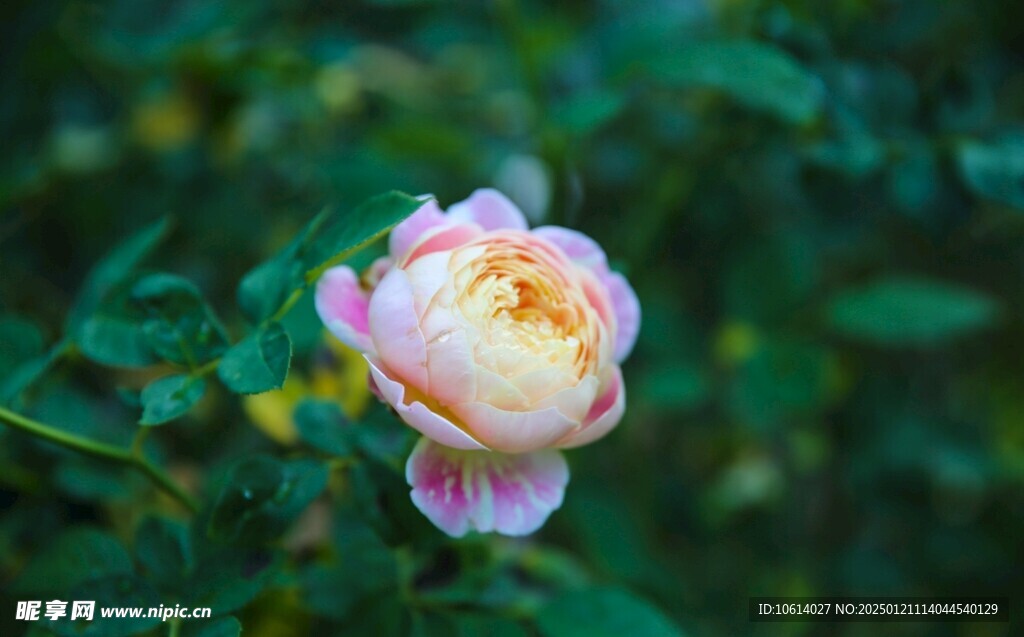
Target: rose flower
501,345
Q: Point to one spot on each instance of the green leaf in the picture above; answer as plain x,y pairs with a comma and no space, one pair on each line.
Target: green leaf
330,238
181,327
227,578
758,75
265,288
259,362
219,627
20,340
114,340
77,555
170,397
113,270
995,171
329,590
382,499
263,496
164,551
323,426
603,612
909,311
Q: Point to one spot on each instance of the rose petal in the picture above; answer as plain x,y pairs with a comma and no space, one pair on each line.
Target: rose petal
485,491
514,431
419,416
343,307
627,314
395,329
407,233
490,209
440,239
576,245
605,413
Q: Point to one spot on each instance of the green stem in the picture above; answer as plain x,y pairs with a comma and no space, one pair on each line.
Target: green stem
174,629
131,457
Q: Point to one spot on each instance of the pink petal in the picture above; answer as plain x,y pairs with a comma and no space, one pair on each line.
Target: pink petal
343,307
604,414
627,313
514,431
490,209
485,491
419,416
395,329
407,233
576,245
441,239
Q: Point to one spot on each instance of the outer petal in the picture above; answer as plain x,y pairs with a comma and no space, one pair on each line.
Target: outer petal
343,307
395,329
605,413
490,209
627,314
407,233
576,245
485,491
514,431
419,416
441,239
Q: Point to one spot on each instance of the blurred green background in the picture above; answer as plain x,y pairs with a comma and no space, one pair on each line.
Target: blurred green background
820,204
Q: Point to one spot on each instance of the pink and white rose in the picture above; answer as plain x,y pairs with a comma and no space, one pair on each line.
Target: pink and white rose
501,345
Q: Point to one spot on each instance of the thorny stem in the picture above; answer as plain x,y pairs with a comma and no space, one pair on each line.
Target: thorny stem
133,457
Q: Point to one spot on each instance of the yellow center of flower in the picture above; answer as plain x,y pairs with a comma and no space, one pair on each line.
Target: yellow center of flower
530,309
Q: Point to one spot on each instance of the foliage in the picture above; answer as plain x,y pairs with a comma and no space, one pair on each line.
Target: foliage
819,203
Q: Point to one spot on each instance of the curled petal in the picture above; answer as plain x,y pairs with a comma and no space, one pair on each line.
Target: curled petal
440,239
627,313
419,416
485,491
605,413
489,209
407,233
576,245
343,307
514,431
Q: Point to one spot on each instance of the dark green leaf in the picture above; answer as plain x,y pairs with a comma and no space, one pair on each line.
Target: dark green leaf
264,289
601,612
113,270
20,340
259,362
164,551
909,311
114,340
995,171
170,397
77,555
263,496
322,426
330,238
329,590
228,578
181,327
758,75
